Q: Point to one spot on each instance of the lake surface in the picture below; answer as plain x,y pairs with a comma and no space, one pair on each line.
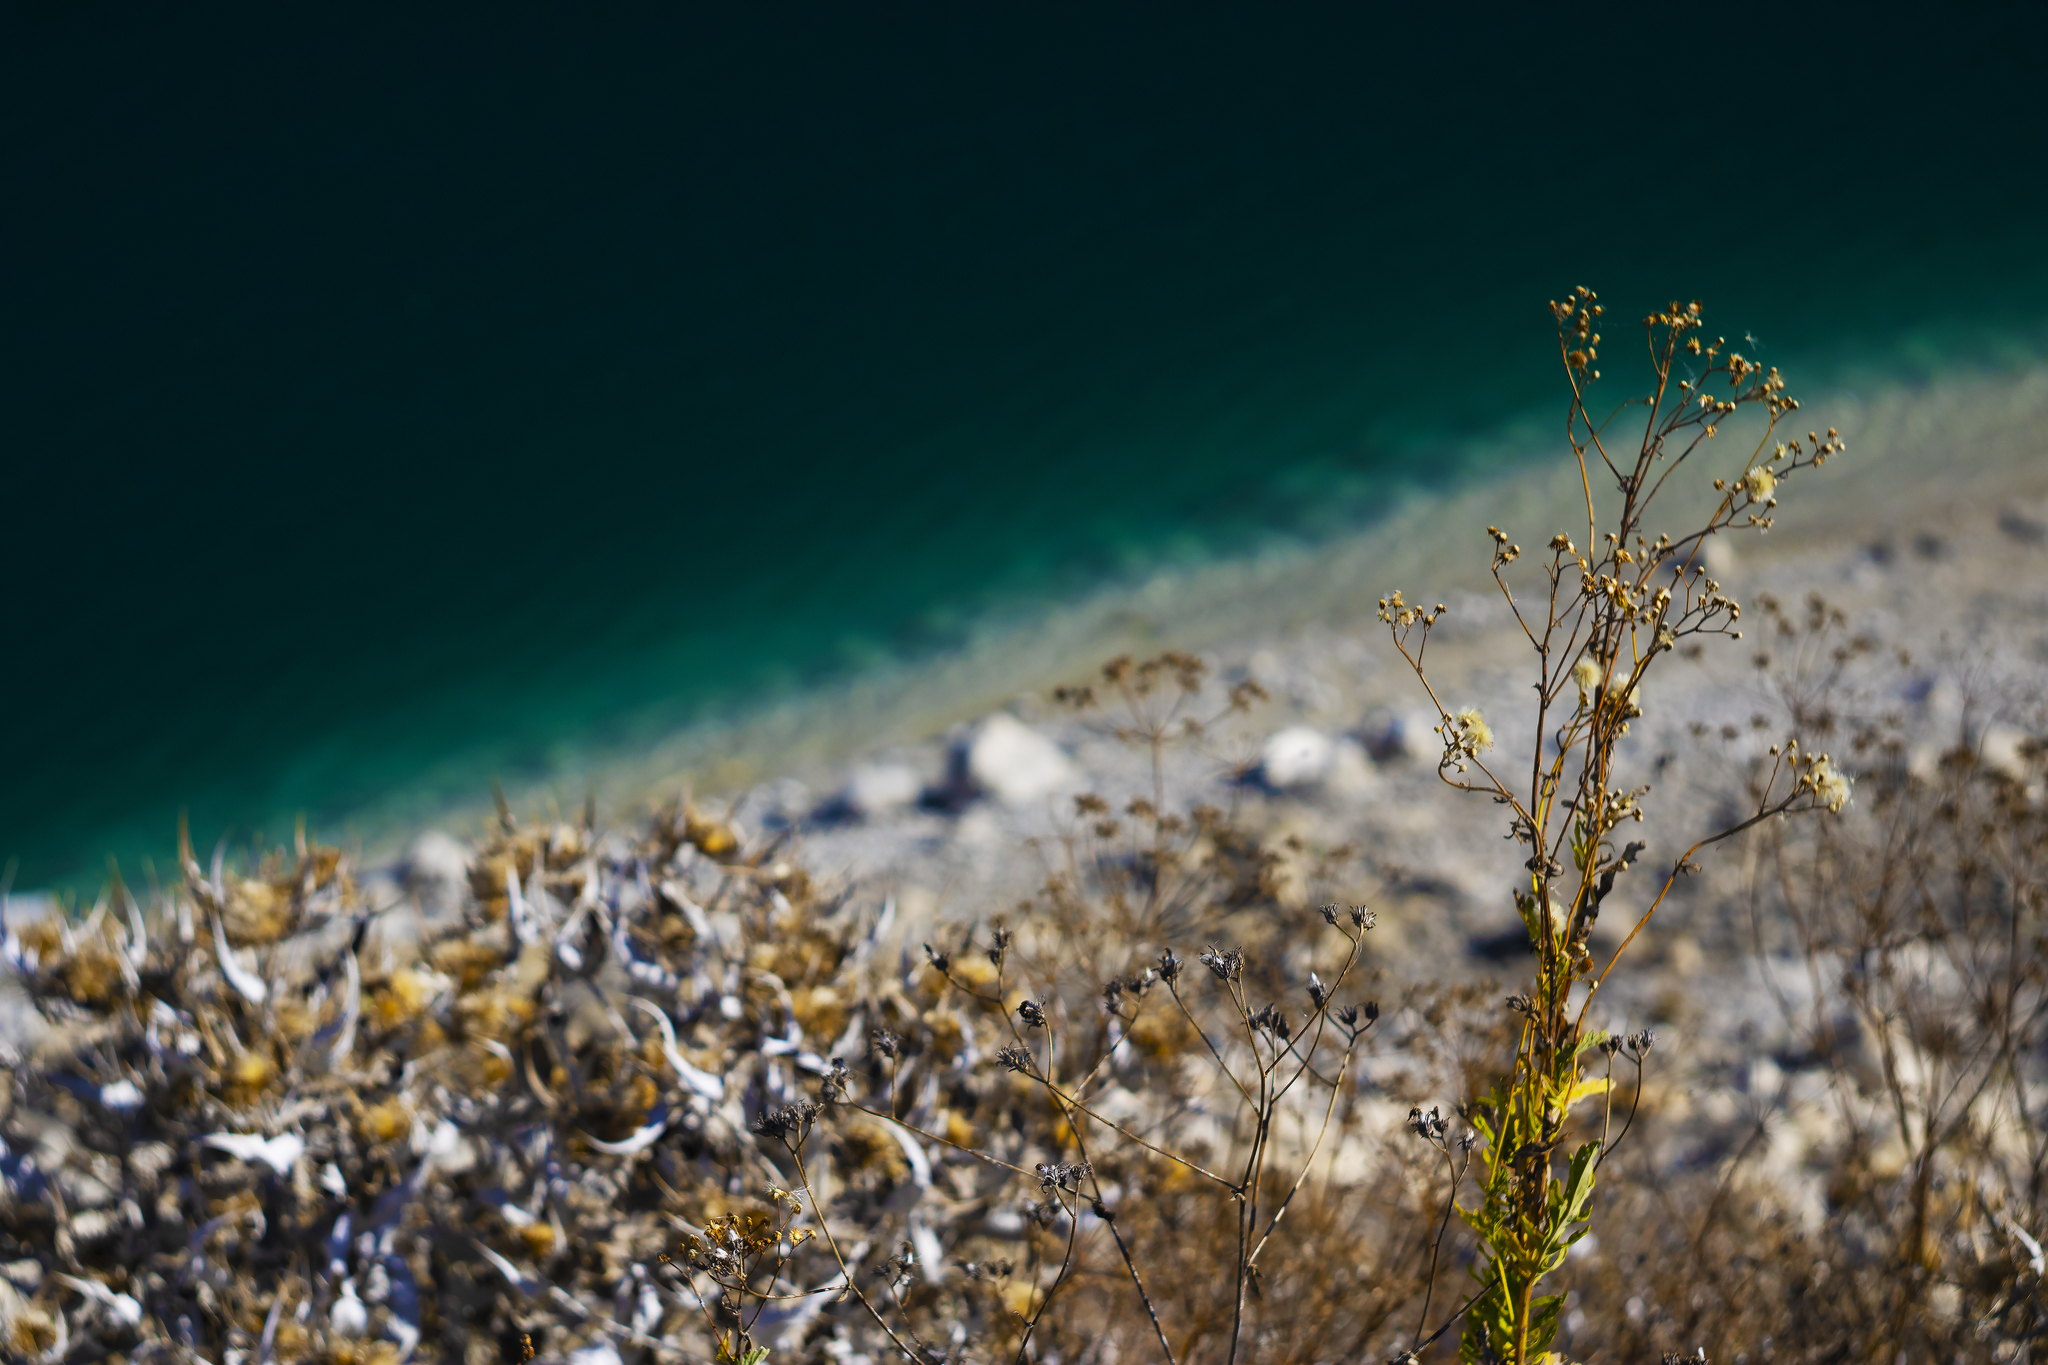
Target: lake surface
400,400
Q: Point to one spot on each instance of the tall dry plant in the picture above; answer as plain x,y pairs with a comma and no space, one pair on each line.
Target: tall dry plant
1599,620
1878,1192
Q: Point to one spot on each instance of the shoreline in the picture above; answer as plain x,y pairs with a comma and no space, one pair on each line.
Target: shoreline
1992,430
1995,429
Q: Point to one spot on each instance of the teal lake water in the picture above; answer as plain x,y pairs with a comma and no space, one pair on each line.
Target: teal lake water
402,399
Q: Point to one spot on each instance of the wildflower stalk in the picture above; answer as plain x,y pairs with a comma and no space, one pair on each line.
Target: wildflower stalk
1608,612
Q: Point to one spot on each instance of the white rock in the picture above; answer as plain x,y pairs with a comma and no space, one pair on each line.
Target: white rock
1999,747
1296,757
1008,760
437,871
121,1096
1924,761
599,1352
880,788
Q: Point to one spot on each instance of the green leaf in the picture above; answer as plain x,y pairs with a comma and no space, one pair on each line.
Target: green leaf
1543,1315
1568,1200
1578,1181
1584,1090
1489,1329
1490,1321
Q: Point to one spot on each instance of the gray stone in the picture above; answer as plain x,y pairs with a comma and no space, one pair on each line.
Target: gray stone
1406,736
1007,760
878,789
2026,524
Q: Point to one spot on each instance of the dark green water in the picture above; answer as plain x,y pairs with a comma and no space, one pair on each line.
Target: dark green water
393,398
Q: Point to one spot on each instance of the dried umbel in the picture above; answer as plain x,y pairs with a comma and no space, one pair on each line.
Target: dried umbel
1430,1126
1061,1175
790,1124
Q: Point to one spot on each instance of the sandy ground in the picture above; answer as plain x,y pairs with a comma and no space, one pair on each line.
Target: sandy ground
1930,534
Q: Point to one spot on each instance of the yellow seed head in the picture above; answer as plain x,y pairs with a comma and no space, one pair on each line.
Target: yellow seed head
1478,734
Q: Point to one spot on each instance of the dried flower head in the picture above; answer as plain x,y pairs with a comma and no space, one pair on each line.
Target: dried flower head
1586,675
1226,966
1430,1126
791,1123
1829,784
1061,1175
1271,1021
1466,735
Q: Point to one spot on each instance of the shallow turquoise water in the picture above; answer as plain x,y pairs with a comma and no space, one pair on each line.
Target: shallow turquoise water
400,402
